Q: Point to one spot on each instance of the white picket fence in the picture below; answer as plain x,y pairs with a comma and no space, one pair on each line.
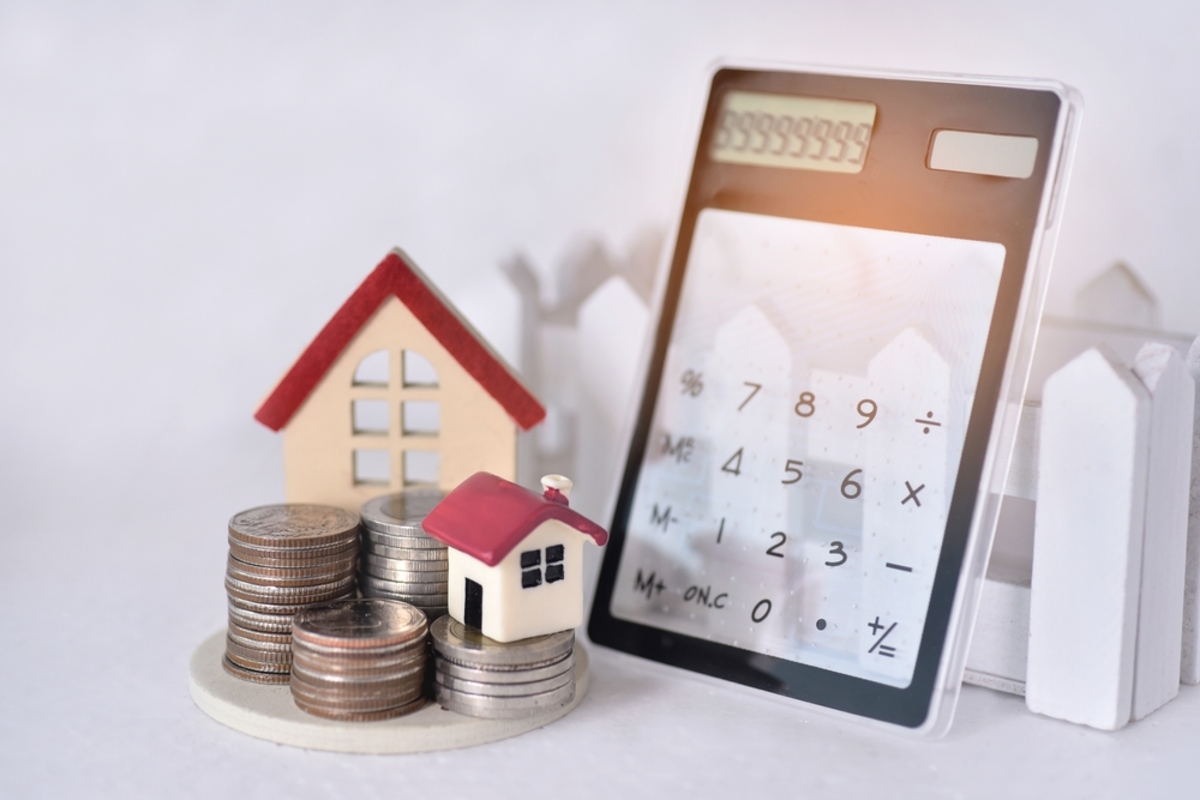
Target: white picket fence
1090,607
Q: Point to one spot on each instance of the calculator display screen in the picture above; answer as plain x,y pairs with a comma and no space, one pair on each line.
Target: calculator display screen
808,428
791,132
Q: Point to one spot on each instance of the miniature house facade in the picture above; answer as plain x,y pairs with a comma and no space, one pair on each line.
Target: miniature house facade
396,391
515,557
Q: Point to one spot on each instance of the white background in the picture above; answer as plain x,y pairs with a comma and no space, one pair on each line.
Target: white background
188,192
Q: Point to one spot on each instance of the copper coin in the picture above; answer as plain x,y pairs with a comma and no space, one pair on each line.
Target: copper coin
360,670
335,683
364,623
372,716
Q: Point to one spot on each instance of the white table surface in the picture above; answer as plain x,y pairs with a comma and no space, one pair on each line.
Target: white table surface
95,699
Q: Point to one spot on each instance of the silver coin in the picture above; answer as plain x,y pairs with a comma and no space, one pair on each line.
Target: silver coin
421,601
403,542
402,512
292,525
257,651
254,676
267,623
418,583
273,609
290,579
366,623
405,564
249,637
404,587
255,664
434,554
505,689
288,595
270,556
496,676
503,707
464,645
405,576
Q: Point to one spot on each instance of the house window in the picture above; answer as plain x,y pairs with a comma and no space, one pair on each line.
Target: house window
554,565
531,566
392,408
373,370
421,467
420,417
373,467
370,416
418,371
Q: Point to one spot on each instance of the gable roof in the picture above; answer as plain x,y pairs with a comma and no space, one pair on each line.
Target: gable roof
397,275
486,517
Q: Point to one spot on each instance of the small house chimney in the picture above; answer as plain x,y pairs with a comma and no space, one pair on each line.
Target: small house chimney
557,488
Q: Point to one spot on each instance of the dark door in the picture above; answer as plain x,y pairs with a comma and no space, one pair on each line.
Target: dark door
474,605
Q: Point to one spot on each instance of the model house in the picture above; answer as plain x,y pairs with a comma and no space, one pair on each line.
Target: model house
516,557
397,390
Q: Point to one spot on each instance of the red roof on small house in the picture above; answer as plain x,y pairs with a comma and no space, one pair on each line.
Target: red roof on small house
397,275
486,517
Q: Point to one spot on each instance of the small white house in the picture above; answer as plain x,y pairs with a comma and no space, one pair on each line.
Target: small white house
516,557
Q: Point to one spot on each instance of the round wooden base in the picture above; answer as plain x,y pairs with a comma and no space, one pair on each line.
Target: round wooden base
268,712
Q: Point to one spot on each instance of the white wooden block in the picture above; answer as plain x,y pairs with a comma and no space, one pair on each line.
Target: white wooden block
1164,543
1190,672
999,644
1087,549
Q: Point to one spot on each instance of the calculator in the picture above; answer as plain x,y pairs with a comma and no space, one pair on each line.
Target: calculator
843,338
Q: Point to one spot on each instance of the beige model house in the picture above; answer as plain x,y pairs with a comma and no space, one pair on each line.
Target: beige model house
396,391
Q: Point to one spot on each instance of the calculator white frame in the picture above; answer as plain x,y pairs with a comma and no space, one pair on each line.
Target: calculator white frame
945,687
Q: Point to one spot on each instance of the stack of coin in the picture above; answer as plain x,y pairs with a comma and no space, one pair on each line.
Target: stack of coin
359,659
399,561
282,559
481,677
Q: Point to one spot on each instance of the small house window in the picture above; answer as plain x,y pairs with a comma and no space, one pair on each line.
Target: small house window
373,370
370,416
373,467
531,563
554,565
420,417
418,371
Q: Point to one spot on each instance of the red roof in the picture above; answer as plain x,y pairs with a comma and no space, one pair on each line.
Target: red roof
486,517
397,275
